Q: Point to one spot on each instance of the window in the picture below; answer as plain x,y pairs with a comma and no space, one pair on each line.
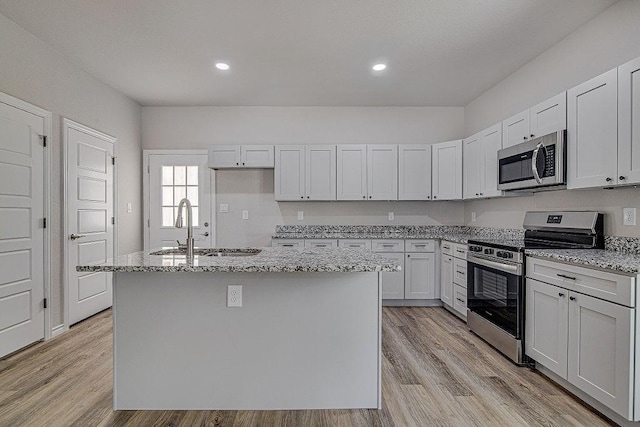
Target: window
178,182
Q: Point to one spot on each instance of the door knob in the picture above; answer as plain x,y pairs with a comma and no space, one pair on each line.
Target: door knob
77,236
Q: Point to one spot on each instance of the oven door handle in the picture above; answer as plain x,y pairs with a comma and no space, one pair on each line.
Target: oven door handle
534,162
507,268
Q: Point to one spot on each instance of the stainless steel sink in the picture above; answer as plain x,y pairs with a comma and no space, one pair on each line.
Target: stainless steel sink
213,252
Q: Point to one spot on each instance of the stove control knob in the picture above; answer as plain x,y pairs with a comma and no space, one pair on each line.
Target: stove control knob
488,251
501,254
508,255
475,248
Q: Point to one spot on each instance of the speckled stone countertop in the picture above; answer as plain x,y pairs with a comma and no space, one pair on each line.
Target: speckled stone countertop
610,260
454,233
269,260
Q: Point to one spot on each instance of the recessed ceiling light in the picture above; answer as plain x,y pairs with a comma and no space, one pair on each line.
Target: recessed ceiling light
379,67
222,66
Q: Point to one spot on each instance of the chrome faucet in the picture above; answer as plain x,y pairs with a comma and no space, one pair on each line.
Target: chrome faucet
189,225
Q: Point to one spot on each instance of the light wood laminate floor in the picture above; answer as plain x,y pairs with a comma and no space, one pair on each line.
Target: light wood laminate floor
434,372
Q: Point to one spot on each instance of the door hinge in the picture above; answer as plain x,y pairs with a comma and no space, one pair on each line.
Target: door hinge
113,161
45,303
113,220
44,140
148,223
44,222
148,169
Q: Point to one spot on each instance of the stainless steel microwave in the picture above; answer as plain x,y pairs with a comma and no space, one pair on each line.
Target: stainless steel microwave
539,163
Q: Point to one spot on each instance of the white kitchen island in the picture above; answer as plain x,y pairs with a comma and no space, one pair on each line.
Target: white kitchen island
306,337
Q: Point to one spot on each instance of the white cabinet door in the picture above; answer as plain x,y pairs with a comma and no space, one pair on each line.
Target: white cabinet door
601,351
382,172
287,243
419,278
393,281
592,132
472,161
491,143
320,176
320,243
224,156
546,326
352,172
549,116
515,129
446,279
289,172
447,170
629,122
256,156
460,299
414,172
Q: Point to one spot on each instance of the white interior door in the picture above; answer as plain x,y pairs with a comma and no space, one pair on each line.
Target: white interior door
90,219
173,177
21,229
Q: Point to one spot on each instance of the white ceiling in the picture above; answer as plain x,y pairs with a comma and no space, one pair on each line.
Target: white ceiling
302,52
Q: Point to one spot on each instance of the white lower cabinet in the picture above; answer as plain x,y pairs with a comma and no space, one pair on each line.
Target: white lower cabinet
419,276
393,281
320,243
453,277
287,243
460,300
585,340
446,279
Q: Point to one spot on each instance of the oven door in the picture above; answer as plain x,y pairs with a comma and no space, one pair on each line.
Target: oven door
495,292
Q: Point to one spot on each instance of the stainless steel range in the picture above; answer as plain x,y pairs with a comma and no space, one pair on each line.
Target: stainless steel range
495,273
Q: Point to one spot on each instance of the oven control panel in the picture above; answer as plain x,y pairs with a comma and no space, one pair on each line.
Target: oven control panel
494,253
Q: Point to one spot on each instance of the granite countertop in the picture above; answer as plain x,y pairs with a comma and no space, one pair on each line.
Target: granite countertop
269,260
614,261
452,237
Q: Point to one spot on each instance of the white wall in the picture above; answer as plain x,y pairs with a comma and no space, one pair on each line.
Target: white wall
608,40
252,190
34,72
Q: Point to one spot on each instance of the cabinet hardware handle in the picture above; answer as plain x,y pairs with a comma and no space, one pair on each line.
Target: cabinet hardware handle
532,135
321,246
354,246
369,196
387,246
408,256
459,251
287,246
307,197
621,178
364,197
302,197
608,179
481,194
525,138
572,298
420,246
460,272
566,277
434,197
77,236
461,300
206,234
242,163
237,164
446,247
560,294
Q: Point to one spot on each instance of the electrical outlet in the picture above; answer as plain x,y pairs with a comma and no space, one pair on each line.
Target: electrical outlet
245,214
224,208
300,215
391,216
629,216
129,207
473,216
234,296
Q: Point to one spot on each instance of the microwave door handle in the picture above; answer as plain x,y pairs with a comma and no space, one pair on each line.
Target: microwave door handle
534,162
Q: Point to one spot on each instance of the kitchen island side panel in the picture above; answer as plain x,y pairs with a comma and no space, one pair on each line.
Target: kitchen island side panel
300,341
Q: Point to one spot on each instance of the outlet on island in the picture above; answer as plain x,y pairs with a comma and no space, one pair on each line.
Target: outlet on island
234,296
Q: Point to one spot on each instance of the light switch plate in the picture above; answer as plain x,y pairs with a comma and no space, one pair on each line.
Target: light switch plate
224,208
392,216
129,207
300,215
473,216
629,216
245,214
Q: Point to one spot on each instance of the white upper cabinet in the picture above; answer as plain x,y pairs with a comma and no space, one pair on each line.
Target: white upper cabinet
352,172
547,117
305,172
592,132
382,172
447,170
492,142
289,173
414,172
241,156
472,160
629,123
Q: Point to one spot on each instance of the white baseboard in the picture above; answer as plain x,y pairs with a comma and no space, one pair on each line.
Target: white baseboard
58,330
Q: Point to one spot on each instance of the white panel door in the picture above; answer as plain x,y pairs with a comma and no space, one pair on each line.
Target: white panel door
414,172
90,217
546,325
320,172
447,170
472,161
515,129
549,116
173,177
592,132
382,172
601,338
419,279
446,279
21,229
393,281
289,173
629,123
491,143
352,172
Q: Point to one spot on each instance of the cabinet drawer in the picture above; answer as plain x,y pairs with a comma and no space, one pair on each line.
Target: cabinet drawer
420,245
460,272
600,284
387,245
287,243
320,243
446,247
355,243
460,299
460,251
